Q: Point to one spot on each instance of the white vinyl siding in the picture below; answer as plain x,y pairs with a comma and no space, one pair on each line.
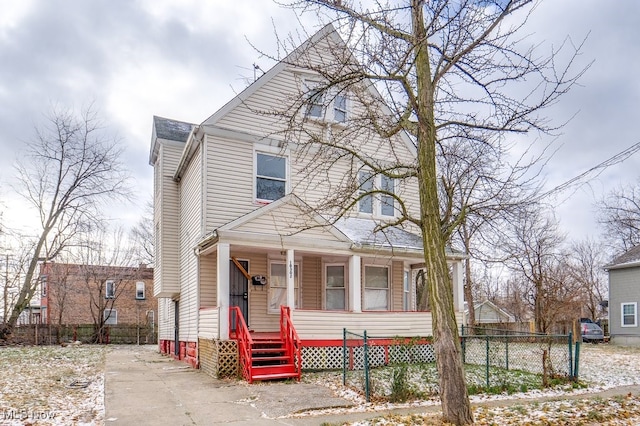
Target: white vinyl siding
208,280
165,318
208,319
190,235
312,324
629,317
167,221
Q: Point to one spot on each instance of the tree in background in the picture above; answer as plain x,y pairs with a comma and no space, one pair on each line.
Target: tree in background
619,213
142,237
446,70
586,266
67,173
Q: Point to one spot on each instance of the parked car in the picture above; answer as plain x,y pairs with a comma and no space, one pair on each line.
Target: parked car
591,332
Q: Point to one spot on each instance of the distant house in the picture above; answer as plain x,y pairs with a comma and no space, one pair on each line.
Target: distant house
94,294
243,254
624,297
488,312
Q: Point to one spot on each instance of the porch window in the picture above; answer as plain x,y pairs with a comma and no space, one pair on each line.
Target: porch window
278,286
629,314
376,288
335,287
271,176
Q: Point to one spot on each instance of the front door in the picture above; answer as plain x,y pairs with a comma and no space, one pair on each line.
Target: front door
239,290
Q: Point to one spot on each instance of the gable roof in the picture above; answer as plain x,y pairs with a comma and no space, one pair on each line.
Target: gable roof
167,129
492,307
628,259
326,32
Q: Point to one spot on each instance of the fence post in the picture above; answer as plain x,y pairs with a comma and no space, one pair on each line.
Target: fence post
366,366
344,356
487,363
506,350
576,360
570,355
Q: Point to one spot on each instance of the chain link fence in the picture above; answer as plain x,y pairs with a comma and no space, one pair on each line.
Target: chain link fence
493,358
550,356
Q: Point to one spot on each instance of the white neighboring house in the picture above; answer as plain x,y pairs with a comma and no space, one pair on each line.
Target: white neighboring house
488,312
237,233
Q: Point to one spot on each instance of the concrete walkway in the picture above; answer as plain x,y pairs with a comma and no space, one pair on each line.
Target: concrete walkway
143,387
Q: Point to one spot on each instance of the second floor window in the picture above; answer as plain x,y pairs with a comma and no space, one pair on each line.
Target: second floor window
271,176
140,290
110,289
379,205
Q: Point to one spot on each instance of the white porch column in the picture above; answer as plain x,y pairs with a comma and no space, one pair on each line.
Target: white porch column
458,286
223,290
355,284
291,274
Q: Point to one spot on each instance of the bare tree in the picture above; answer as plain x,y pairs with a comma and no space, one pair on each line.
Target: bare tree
446,71
68,170
142,236
619,213
99,252
587,260
539,263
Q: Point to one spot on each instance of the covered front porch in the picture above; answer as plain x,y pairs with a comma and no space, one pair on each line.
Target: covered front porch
328,276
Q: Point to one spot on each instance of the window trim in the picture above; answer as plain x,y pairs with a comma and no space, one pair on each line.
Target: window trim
298,297
144,293
324,98
344,288
388,288
106,319
110,284
406,290
376,198
273,152
635,314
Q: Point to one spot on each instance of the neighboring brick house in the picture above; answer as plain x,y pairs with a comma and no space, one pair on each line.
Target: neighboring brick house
92,294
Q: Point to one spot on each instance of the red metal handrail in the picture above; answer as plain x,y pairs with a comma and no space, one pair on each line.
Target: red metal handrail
289,336
245,341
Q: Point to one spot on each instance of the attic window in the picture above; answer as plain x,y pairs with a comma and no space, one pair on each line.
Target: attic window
271,176
316,102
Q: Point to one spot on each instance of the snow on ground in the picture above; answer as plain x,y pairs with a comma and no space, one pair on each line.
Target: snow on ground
52,385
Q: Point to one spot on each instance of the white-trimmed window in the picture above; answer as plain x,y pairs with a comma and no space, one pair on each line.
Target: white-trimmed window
140,295
340,108
110,289
271,176
335,289
110,317
376,288
278,285
629,314
382,205
325,103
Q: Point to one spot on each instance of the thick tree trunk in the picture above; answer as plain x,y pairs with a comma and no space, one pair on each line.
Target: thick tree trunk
456,408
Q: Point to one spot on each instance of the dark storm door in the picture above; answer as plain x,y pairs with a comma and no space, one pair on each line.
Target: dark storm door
239,290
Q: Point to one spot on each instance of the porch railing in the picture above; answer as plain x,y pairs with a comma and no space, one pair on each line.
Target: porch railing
245,342
288,334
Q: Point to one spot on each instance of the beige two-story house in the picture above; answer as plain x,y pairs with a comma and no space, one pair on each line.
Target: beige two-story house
247,253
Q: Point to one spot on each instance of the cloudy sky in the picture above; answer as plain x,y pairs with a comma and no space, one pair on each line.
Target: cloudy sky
184,59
